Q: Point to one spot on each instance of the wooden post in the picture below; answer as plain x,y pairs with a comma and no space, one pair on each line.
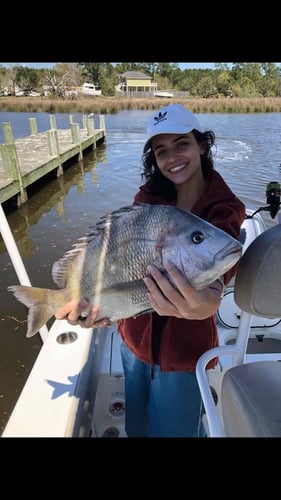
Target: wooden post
8,133
84,121
53,122
33,126
102,123
76,139
90,126
9,156
53,143
71,119
12,170
75,133
91,130
11,162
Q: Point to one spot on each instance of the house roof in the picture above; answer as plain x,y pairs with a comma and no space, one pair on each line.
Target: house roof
136,75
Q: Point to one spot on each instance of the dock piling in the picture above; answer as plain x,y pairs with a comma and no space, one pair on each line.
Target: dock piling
53,121
12,170
76,139
33,126
8,133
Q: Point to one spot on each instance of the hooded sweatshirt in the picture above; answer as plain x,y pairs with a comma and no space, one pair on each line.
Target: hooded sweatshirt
175,343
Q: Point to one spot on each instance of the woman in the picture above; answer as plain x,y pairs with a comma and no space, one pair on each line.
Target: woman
160,349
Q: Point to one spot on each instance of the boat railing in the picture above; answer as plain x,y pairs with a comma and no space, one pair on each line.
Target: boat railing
16,259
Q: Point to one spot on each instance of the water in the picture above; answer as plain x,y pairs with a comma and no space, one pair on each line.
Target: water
248,155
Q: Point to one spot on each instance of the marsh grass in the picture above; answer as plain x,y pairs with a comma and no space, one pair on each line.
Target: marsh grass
104,105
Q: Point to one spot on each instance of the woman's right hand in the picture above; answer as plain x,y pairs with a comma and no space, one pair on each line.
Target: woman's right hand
72,312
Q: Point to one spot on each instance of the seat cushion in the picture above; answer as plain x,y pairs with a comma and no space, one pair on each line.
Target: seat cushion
251,400
258,285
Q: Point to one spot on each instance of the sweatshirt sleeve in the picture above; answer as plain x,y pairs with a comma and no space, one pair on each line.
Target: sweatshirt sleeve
143,195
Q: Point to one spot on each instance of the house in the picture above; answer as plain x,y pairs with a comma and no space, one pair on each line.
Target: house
133,83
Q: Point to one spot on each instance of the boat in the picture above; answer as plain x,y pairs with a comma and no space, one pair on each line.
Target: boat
89,89
76,385
163,94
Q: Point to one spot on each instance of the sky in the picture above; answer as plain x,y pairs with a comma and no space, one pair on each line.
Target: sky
45,65
183,65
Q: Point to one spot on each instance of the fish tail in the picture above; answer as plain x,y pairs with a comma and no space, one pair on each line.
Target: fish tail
40,302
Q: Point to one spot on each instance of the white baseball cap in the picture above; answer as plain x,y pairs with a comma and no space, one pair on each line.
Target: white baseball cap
171,119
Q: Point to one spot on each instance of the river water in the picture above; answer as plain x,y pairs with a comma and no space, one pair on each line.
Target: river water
59,211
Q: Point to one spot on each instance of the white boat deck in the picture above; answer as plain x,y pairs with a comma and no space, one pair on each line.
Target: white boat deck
75,388
109,410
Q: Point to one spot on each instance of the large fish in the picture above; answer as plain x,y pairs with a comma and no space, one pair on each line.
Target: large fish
108,266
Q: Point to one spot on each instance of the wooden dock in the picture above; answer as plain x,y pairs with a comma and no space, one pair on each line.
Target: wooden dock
24,161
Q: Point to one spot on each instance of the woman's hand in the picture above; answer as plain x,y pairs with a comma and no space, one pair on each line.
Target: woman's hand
182,301
72,312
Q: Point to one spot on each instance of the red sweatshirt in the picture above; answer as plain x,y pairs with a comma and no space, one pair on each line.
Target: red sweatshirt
181,342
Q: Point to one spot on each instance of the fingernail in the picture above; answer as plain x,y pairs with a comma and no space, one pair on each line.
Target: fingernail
83,303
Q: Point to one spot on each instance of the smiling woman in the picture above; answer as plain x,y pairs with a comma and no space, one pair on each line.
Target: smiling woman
158,357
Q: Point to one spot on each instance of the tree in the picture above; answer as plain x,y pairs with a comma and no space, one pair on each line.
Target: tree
58,84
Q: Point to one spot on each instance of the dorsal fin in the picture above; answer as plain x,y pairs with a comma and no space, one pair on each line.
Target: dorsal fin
60,268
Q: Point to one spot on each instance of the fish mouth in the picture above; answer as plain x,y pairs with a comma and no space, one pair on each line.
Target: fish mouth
230,250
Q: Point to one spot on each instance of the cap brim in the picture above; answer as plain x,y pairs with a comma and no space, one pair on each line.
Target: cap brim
167,130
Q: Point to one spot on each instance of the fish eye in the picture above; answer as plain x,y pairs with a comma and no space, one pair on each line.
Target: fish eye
197,237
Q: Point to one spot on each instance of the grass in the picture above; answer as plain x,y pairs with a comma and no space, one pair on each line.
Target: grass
104,105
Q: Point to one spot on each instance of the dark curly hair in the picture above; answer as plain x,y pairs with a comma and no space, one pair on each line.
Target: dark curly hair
159,184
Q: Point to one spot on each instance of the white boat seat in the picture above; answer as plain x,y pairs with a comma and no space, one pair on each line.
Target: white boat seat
251,392
251,400
258,279
250,229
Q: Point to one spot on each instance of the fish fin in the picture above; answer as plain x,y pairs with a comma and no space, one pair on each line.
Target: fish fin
37,317
147,311
36,299
107,219
59,271
61,267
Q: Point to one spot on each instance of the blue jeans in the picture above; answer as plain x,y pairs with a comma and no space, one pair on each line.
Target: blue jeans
160,404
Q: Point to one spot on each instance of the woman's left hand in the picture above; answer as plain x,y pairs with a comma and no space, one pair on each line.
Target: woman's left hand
183,301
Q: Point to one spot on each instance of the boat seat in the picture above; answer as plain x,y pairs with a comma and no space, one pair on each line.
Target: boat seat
251,392
258,280
251,402
250,229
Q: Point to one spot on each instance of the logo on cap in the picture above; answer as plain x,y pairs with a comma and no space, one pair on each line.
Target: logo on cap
160,118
